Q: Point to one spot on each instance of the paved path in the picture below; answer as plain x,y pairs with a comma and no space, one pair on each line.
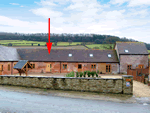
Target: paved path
22,100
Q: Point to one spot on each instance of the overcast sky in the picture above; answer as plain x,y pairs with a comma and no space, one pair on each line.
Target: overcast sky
123,18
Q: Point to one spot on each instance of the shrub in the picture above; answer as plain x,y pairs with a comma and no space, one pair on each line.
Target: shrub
96,75
10,44
84,74
77,74
88,73
92,73
71,74
81,74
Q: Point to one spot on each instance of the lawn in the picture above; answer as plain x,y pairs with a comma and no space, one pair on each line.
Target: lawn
100,46
67,43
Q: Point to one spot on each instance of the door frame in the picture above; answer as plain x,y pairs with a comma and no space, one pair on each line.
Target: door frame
49,67
79,69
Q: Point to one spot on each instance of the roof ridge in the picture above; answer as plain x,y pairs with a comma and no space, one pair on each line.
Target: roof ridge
128,42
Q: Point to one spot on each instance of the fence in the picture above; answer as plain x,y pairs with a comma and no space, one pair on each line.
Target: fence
139,74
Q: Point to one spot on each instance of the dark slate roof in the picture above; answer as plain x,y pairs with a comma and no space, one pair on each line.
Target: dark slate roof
62,55
8,54
132,47
20,64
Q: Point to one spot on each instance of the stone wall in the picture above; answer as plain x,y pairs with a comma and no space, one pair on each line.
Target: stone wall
133,60
107,85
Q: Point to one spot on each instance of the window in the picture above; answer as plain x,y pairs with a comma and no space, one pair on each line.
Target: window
64,66
129,66
91,55
2,67
109,55
93,66
79,66
108,68
126,51
8,67
70,55
33,65
141,66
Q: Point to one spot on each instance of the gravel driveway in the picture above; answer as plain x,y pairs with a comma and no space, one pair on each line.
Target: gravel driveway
140,89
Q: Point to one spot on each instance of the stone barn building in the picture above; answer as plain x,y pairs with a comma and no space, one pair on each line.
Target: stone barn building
125,55
131,55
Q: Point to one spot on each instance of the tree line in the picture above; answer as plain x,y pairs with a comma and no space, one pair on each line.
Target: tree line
91,38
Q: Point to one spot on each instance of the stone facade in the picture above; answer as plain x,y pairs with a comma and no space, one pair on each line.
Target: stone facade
102,85
133,60
114,68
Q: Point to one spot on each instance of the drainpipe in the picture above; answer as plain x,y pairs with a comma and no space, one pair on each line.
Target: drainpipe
60,67
119,64
11,68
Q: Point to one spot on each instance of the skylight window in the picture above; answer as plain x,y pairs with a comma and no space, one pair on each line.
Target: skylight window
70,55
91,55
126,51
109,55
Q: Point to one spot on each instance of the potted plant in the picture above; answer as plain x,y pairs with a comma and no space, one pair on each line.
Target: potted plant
77,74
81,74
92,73
88,73
96,75
84,74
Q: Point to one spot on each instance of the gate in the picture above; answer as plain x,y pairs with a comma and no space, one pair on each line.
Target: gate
138,74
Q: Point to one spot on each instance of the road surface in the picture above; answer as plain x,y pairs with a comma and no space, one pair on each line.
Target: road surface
20,102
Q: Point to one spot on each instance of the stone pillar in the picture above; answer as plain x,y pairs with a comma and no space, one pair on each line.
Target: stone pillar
127,84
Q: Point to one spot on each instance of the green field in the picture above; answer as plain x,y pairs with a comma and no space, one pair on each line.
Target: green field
100,46
21,43
35,43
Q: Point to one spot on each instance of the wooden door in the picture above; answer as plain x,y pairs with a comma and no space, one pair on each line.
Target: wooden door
79,67
49,67
102,67
141,66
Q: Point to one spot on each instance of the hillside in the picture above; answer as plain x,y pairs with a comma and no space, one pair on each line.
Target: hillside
93,41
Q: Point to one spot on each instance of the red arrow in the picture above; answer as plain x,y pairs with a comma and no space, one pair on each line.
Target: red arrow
49,44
